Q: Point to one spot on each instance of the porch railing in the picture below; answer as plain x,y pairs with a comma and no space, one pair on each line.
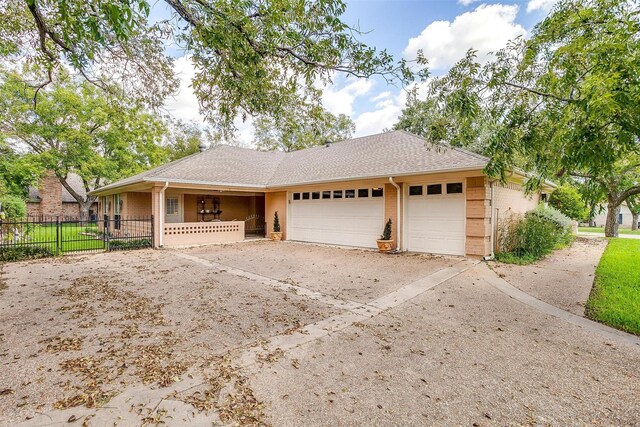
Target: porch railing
199,233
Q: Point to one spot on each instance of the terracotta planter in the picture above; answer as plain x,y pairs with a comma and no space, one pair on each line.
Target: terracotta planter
277,236
385,245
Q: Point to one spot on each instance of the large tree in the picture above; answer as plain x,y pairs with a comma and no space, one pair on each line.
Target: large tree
633,203
427,118
18,170
565,101
252,57
75,128
296,131
185,138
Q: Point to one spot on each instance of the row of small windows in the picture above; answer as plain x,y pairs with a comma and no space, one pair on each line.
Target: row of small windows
432,189
339,194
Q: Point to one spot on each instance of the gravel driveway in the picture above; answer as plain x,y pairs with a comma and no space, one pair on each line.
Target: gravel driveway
163,336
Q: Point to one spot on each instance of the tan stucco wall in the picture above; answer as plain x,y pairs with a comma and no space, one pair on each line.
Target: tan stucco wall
478,227
391,210
276,201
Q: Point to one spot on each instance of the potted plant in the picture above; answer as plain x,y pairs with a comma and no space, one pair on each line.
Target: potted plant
276,234
385,243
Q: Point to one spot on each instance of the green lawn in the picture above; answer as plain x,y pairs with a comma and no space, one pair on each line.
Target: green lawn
72,238
615,298
601,230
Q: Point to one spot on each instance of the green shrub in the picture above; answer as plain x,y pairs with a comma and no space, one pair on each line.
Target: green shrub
19,253
115,245
386,233
13,207
568,200
523,240
552,215
276,223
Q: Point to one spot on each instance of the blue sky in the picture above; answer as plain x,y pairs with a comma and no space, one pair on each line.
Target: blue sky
443,29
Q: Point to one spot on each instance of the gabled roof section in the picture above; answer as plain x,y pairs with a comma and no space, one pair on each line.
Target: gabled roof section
221,164
387,154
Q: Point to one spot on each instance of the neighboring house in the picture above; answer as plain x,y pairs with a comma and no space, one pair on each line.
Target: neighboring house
51,199
624,216
439,199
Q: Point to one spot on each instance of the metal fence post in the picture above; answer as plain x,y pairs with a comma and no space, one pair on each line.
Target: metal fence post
58,234
106,232
153,234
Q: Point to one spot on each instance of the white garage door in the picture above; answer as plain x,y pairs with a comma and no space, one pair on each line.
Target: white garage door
340,217
436,218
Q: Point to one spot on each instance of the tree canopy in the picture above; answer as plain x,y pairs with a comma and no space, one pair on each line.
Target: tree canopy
184,138
567,199
74,127
302,130
17,170
251,57
565,101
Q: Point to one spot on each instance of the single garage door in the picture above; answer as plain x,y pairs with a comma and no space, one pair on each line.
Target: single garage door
436,218
352,217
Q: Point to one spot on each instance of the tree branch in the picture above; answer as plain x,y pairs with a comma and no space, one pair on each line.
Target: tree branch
626,194
539,92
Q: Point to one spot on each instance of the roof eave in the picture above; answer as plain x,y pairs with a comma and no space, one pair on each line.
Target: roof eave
115,186
383,176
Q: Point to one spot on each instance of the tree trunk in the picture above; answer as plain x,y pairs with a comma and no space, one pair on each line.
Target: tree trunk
634,220
85,206
611,226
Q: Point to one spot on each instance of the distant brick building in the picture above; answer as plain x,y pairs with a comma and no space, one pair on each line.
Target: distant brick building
51,199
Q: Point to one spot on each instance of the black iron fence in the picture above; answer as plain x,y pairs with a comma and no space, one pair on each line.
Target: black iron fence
57,235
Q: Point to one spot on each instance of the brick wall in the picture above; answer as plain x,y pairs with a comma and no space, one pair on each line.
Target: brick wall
34,210
70,210
51,195
135,204
510,198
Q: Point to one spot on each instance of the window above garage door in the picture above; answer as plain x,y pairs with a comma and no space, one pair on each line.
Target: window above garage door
436,189
342,194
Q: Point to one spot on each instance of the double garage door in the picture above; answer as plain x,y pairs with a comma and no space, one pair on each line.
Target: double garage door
338,217
434,218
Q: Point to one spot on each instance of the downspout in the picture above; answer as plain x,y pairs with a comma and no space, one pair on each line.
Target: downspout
397,213
161,213
493,225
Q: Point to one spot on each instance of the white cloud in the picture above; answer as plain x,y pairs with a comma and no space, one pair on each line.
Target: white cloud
387,110
184,104
485,29
340,101
543,5
467,2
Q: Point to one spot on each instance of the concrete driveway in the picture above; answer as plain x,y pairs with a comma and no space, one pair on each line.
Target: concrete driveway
292,334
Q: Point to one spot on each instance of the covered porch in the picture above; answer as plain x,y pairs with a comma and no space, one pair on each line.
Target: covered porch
191,215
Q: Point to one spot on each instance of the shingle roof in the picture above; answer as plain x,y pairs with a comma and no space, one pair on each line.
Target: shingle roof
386,154
73,180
